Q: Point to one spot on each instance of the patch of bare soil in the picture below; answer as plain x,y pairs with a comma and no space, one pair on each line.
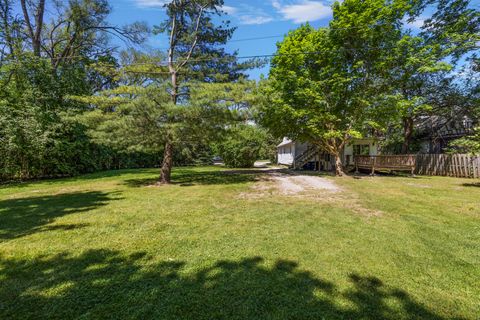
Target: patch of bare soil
307,187
416,185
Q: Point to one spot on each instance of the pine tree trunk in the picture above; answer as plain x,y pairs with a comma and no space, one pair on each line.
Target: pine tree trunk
407,134
165,176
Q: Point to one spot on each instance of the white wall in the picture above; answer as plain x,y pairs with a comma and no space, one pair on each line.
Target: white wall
372,144
286,154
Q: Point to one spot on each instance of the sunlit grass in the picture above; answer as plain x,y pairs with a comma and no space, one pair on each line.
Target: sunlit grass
109,245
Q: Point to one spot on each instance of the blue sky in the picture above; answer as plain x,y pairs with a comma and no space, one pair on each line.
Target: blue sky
252,19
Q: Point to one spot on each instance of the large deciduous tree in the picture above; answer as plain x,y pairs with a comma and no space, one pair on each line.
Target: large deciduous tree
47,52
426,57
326,85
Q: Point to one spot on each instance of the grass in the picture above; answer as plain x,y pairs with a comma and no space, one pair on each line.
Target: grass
108,245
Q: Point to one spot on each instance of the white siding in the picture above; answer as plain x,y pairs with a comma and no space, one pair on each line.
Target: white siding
288,150
373,147
286,154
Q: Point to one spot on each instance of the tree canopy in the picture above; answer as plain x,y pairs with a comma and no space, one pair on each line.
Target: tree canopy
365,73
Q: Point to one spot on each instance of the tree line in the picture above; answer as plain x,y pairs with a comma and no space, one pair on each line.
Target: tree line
71,102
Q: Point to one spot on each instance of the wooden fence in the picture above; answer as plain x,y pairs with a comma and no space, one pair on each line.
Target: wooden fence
451,165
386,162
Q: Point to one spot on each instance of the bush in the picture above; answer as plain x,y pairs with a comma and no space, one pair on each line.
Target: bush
243,145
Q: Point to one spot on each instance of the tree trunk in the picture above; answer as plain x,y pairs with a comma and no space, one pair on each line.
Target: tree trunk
407,134
165,176
34,34
39,26
338,165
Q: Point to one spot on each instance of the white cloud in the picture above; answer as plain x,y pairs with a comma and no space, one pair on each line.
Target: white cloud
244,14
151,3
250,19
303,11
249,15
416,24
229,10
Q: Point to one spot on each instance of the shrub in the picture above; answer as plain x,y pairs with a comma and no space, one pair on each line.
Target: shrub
243,145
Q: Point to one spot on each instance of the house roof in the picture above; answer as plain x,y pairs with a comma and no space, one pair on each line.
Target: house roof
285,142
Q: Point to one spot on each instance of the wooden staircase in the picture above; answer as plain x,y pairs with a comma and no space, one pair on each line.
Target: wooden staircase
303,158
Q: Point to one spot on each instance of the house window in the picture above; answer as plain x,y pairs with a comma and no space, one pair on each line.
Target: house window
361,150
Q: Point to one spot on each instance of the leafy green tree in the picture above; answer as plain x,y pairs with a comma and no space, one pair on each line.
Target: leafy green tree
426,58
470,144
45,57
471,102
243,145
326,86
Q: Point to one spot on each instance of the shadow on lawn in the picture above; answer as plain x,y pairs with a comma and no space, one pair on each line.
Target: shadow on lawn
186,178
24,216
106,284
477,185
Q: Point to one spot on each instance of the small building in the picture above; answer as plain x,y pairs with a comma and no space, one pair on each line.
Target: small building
435,133
299,155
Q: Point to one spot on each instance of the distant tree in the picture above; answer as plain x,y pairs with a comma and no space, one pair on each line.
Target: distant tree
73,29
471,98
244,144
470,144
422,78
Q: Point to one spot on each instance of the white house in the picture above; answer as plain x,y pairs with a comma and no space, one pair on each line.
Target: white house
303,155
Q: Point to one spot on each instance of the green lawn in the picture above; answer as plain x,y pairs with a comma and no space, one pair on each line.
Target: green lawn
108,245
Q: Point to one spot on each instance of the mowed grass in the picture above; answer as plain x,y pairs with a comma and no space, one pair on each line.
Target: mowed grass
110,246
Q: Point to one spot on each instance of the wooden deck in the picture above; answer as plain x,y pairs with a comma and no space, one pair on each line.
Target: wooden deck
386,162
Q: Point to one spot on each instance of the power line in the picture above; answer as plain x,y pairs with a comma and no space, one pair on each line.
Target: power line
248,57
284,35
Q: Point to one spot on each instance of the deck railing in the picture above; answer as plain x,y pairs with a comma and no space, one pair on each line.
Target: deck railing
386,162
453,165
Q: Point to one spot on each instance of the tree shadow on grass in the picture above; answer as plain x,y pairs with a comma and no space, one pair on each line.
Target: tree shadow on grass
24,216
186,178
474,185
106,284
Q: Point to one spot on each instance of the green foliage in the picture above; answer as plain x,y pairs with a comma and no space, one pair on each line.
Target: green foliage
243,145
40,135
143,118
335,91
469,144
366,73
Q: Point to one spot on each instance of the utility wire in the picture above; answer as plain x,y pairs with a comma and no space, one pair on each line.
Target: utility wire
249,57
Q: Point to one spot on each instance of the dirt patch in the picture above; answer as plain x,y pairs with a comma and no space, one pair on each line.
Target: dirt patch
416,185
306,187
281,183
289,185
